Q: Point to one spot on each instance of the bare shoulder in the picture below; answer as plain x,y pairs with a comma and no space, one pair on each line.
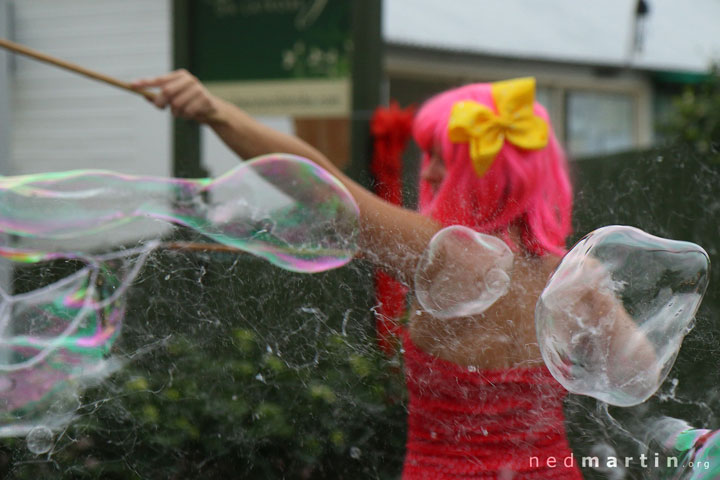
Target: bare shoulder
503,336
533,272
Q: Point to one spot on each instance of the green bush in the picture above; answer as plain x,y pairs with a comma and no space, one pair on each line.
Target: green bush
695,118
236,369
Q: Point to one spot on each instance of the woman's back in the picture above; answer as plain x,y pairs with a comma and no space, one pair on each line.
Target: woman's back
482,404
501,337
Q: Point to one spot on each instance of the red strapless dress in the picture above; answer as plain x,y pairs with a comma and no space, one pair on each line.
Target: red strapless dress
468,423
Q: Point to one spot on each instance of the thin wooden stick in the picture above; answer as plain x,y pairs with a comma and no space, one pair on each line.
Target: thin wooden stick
199,246
29,52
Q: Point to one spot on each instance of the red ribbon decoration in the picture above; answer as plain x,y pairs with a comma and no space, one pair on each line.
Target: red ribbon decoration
391,128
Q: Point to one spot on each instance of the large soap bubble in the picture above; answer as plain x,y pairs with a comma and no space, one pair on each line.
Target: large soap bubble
281,207
613,315
462,272
54,340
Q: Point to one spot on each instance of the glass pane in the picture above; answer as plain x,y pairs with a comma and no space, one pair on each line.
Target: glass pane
599,122
542,96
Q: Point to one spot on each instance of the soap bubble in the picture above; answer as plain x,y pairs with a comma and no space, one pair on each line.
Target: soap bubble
462,272
280,207
54,340
355,453
40,440
613,315
694,453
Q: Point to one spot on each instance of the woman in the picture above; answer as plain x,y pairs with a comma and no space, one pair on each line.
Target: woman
482,403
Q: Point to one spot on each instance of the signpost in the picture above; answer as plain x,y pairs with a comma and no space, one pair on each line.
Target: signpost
288,57
318,61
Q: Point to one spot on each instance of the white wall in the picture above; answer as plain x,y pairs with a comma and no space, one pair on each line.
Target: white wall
5,268
63,121
679,35
4,90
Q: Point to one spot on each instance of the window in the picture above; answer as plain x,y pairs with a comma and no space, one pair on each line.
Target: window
599,122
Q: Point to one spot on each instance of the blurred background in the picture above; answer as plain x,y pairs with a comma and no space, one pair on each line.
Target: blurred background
607,73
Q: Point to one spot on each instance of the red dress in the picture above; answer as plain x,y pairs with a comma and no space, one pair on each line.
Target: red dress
468,423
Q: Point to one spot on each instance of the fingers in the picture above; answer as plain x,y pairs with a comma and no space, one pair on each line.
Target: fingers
160,80
160,100
190,102
177,92
183,92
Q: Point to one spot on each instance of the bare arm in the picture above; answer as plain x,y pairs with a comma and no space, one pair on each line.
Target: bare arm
390,236
625,345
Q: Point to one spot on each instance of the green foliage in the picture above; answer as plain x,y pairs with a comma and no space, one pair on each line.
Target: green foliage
695,118
235,369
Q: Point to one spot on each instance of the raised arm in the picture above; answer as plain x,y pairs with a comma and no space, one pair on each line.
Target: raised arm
604,350
183,93
390,236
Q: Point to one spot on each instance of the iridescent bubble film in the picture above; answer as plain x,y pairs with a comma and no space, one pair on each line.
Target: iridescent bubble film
55,340
613,315
462,272
280,207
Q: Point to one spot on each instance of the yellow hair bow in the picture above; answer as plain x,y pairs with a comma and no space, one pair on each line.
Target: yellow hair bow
485,131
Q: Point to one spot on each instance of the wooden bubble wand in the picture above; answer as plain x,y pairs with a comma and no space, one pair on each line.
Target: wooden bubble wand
29,52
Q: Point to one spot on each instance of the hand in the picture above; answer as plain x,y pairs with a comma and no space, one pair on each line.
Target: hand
186,96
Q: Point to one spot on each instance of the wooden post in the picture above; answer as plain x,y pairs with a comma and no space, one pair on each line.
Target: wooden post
367,78
187,161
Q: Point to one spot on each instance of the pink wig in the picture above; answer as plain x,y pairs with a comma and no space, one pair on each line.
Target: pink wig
527,188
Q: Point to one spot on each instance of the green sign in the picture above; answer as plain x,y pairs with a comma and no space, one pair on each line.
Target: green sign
274,56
